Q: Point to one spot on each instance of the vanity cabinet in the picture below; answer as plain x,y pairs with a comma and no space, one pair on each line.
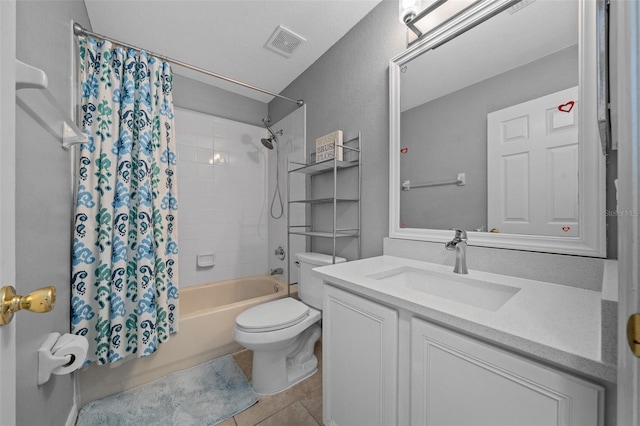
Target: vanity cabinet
441,377
457,380
359,361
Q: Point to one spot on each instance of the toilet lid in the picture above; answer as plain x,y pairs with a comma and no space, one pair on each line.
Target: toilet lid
276,315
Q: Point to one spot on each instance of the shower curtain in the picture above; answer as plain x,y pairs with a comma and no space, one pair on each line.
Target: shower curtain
124,273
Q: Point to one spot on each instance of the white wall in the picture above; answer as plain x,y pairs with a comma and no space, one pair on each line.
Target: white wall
222,181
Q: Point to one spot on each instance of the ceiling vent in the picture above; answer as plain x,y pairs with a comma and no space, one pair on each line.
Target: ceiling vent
284,41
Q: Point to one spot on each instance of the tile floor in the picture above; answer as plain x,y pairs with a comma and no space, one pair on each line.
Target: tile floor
300,405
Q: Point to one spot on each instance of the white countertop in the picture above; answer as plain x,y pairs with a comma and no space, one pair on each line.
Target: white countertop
554,323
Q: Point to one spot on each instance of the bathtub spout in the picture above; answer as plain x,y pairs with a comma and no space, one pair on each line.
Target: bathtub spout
278,271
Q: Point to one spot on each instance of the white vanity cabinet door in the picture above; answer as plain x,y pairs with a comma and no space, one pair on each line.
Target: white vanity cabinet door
456,380
359,360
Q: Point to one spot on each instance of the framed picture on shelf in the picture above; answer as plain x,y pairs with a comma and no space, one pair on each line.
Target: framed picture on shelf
329,146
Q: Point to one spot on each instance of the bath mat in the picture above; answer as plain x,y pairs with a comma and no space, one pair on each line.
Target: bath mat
203,395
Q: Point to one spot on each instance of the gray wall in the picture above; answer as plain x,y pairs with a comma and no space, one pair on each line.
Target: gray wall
197,96
347,89
43,206
448,136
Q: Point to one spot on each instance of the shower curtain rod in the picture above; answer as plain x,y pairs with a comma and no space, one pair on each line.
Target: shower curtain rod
80,31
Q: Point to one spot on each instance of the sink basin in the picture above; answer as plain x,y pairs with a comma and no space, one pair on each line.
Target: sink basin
456,287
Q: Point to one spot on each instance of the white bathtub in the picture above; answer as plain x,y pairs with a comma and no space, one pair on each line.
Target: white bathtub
207,316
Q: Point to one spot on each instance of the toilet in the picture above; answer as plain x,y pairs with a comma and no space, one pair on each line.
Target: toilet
282,333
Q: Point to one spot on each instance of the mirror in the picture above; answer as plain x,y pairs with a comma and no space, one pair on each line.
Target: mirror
496,130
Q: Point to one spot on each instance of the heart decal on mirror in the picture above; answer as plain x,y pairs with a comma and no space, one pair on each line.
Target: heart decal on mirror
566,107
404,150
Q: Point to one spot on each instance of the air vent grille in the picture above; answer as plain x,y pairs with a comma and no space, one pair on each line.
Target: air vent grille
284,41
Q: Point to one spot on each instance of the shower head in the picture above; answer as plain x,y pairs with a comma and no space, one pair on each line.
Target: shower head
267,142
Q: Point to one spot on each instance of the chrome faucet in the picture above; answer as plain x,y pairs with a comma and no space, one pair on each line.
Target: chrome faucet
276,271
459,244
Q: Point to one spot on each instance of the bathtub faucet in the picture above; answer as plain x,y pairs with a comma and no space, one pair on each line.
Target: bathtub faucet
276,271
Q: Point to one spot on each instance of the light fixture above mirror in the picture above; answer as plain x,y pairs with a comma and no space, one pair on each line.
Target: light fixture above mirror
408,10
423,17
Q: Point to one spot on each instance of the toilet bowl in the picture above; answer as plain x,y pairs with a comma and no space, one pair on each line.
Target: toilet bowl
282,333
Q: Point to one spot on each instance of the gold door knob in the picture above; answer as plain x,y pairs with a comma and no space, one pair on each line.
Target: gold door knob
633,334
41,300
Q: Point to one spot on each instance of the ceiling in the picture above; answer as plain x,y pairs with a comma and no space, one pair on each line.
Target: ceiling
229,36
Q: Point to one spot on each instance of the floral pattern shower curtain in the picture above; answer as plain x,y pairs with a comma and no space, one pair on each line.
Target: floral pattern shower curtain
124,279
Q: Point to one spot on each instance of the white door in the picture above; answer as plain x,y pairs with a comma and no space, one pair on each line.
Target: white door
627,15
537,138
7,204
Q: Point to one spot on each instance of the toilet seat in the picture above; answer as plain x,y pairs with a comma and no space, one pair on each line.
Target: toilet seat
271,316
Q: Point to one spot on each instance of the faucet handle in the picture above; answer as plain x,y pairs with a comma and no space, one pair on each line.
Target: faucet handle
460,234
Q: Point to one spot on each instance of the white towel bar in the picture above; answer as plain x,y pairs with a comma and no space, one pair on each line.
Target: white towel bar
38,101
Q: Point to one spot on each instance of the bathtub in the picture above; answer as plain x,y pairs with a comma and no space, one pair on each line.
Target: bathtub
207,315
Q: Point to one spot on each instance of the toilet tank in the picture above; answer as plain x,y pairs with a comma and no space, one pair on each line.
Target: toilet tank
310,287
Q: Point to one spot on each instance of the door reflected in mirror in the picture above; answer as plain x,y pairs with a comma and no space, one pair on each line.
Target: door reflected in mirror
493,136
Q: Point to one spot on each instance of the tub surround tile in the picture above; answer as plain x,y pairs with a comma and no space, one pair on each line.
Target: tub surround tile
187,172
187,152
204,171
249,269
187,138
213,202
204,155
205,141
220,144
237,159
